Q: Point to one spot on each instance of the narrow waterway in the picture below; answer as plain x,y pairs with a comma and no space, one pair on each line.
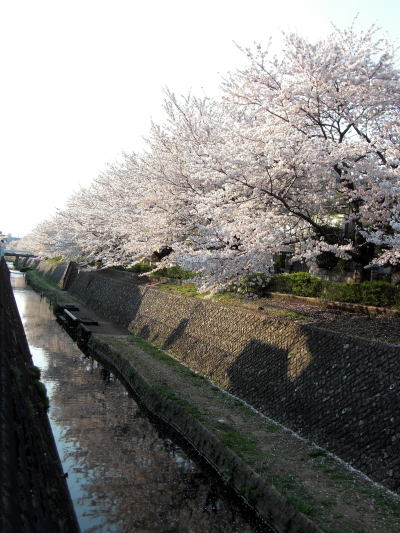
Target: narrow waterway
124,473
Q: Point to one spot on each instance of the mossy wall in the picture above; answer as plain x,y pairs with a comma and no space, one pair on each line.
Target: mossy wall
51,271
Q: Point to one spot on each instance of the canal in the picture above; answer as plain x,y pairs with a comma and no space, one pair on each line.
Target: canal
125,472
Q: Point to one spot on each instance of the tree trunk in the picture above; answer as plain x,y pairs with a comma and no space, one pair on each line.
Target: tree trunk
362,256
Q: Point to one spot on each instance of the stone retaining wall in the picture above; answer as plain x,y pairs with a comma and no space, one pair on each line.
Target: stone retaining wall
33,492
52,272
338,390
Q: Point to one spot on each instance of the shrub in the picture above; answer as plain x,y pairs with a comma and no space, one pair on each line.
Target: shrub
342,292
175,272
56,260
378,293
280,283
299,283
254,285
139,268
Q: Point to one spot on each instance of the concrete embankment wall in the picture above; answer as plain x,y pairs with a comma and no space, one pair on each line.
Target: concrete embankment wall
341,391
52,272
33,493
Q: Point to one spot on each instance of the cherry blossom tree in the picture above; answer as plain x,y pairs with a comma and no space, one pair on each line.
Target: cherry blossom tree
321,139
296,143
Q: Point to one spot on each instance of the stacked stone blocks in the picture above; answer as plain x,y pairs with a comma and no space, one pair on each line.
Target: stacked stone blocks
338,390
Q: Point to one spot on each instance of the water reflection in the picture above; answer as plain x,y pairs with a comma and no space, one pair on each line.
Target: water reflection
123,475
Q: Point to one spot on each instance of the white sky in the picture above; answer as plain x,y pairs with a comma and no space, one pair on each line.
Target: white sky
81,79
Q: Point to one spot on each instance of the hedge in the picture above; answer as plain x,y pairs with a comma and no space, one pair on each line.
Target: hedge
175,272
377,293
299,283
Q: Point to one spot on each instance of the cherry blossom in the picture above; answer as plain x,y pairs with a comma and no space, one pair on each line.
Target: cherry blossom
300,153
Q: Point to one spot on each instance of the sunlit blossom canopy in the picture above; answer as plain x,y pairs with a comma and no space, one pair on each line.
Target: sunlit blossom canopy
294,144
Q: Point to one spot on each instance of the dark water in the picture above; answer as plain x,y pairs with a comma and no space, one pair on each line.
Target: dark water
124,475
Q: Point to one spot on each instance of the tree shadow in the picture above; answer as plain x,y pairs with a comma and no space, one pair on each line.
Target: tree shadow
144,333
175,334
336,390
258,375
114,299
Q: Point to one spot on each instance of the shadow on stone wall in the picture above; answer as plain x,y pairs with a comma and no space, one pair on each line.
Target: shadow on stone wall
259,375
329,391
144,333
116,300
176,334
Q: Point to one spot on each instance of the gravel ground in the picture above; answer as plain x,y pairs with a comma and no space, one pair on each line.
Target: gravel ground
383,328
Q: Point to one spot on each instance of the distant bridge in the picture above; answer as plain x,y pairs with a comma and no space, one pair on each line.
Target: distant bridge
16,253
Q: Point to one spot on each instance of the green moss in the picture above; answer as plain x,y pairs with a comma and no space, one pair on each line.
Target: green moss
176,272
188,289
251,492
167,393
241,444
227,298
166,358
385,504
296,493
45,287
39,387
56,260
152,350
